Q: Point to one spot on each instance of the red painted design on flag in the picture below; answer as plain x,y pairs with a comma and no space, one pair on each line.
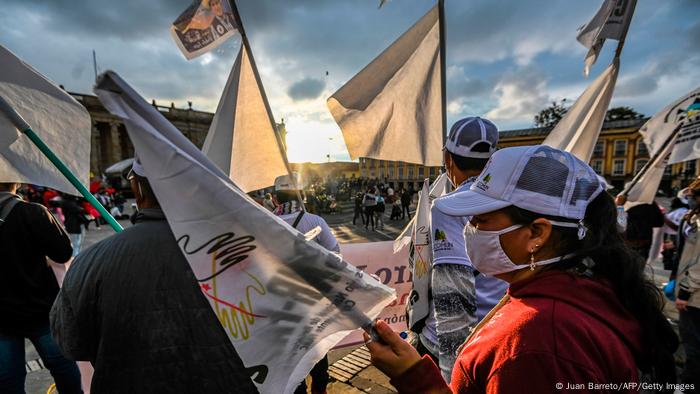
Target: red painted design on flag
205,289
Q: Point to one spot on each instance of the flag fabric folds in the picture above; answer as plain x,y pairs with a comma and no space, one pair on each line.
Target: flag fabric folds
644,190
283,301
611,21
241,138
391,110
56,117
203,26
420,257
577,132
658,129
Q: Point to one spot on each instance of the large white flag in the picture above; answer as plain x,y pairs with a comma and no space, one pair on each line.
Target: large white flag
241,139
56,117
611,21
646,186
283,301
658,129
577,132
203,26
391,110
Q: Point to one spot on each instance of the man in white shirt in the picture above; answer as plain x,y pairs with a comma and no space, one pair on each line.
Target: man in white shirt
459,295
290,210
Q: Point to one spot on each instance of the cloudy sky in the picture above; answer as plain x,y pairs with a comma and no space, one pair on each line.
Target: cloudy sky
506,58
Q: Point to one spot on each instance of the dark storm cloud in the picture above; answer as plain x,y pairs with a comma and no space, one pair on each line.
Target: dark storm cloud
307,88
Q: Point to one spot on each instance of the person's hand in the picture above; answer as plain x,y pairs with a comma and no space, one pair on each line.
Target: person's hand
682,305
392,355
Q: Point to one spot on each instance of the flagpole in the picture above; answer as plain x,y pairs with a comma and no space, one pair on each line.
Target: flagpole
17,120
648,165
280,145
443,67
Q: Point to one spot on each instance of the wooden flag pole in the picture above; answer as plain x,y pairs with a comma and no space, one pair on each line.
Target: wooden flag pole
17,120
648,165
280,145
443,67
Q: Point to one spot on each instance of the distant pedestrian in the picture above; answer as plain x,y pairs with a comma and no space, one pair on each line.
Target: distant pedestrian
358,209
406,197
75,222
379,212
28,287
369,202
268,203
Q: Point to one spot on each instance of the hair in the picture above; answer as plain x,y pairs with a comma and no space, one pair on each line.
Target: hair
677,203
470,163
284,196
7,186
145,189
622,268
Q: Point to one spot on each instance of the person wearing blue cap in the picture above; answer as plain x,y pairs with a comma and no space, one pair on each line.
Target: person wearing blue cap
458,296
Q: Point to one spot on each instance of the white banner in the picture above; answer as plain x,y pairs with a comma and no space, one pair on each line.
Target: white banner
283,301
241,139
658,129
392,109
378,258
56,117
203,26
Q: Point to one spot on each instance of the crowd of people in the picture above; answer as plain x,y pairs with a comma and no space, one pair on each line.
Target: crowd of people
537,282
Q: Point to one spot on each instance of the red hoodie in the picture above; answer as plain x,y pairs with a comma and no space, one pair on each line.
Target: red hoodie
559,332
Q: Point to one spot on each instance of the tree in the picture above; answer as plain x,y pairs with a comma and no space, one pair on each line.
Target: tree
622,113
551,115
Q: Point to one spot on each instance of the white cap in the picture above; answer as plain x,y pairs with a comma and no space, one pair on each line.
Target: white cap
466,133
537,178
284,183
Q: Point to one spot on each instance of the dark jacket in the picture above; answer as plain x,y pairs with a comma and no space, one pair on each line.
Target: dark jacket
75,216
27,284
556,327
131,306
641,220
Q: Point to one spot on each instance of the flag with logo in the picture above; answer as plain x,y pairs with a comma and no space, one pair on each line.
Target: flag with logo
203,26
391,110
54,115
610,22
283,301
685,112
440,187
420,256
241,139
578,131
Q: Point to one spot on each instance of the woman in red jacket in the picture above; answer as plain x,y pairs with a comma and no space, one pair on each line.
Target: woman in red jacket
579,313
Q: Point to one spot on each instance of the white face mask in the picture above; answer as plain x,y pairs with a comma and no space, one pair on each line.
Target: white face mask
487,255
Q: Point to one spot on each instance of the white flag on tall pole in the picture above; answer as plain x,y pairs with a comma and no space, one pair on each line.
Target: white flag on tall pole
241,139
283,301
56,117
685,110
611,21
391,110
578,131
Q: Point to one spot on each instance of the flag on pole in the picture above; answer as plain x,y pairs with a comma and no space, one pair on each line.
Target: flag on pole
440,187
203,26
420,258
577,132
60,121
644,189
657,130
241,138
283,301
391,110
611,21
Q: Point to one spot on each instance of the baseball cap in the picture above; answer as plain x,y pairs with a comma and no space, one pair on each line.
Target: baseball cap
284,182
537,178
136,168
466,133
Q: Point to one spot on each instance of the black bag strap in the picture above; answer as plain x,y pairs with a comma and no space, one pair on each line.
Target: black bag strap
296,221
7,206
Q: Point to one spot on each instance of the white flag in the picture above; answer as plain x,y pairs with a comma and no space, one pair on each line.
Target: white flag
391,110
611,21
644,191
56,117
577,132
283,301
203,26
658,129
420,260
241,139
440,187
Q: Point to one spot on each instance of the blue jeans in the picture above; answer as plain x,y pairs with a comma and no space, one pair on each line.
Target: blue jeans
12,371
